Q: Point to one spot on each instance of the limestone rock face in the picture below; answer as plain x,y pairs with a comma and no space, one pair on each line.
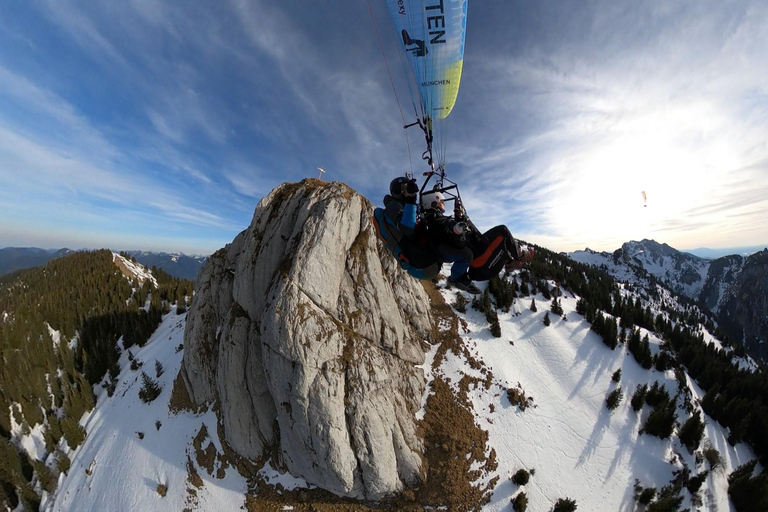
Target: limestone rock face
308,335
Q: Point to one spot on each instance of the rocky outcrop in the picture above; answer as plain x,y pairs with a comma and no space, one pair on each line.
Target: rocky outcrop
743,310
721,277
308,336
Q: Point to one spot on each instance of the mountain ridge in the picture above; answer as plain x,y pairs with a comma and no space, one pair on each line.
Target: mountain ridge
177,264
20,258
739,304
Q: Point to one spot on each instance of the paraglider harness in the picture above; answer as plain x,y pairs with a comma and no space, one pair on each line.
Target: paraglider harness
415,254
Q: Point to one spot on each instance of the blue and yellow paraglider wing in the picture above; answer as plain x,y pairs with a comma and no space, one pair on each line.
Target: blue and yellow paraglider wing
432,35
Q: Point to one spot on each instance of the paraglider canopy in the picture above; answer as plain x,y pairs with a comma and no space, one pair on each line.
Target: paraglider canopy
431,33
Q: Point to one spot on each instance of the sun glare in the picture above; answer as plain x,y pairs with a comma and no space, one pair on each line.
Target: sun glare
660,154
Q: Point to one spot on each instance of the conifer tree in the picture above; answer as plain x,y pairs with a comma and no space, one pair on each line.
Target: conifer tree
581,307
749,493
533,305
158,369
614,399
556,307
691,432
564,505
546,320
520,503
149,389
521,477
661,421
638,397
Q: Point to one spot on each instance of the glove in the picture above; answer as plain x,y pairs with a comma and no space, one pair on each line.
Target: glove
458,210
460,228
409,190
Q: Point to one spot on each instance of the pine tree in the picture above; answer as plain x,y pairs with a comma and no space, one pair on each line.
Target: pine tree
158,368
691,432
520,503
521,477
565,505
533,305
556,307
638,398
749,493
669,500
546,320
661,422
614,399
149,389
581,307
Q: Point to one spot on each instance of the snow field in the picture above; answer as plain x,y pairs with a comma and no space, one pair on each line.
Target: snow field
115,470
578,448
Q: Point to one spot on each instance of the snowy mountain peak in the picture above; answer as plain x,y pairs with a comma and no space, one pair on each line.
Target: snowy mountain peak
734,288
680,271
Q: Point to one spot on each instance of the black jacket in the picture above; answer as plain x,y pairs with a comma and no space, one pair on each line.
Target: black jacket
440,229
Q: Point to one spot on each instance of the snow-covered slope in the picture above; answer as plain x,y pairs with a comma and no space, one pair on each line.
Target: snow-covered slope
133,270
720,279
734,287
132,448
176,264
681,272
577,447
621,271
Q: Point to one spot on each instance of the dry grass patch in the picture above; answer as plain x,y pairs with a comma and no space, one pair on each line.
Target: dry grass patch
208,457
454,442
180,399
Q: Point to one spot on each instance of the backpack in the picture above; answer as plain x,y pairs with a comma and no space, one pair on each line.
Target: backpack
414,257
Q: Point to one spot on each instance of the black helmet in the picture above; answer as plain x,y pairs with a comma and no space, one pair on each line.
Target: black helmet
396,186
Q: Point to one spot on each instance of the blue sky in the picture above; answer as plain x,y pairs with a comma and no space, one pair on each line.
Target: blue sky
159,125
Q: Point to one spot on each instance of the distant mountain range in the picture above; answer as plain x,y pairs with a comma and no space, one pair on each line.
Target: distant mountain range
18,258
176,264
734,287
713,254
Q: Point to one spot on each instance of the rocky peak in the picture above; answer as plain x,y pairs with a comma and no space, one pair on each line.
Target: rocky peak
682,272
308,337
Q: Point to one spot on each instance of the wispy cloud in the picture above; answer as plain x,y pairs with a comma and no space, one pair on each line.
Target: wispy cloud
674,110
181,117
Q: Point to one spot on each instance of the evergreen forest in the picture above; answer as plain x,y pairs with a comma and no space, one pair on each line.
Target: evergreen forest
59,330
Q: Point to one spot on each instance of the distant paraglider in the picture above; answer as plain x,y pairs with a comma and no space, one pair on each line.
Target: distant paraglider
645,199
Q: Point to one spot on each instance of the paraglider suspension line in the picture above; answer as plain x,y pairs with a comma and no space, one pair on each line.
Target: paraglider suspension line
391,81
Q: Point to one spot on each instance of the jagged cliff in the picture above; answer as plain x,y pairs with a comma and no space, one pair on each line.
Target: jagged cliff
743,310
308,336
721,276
